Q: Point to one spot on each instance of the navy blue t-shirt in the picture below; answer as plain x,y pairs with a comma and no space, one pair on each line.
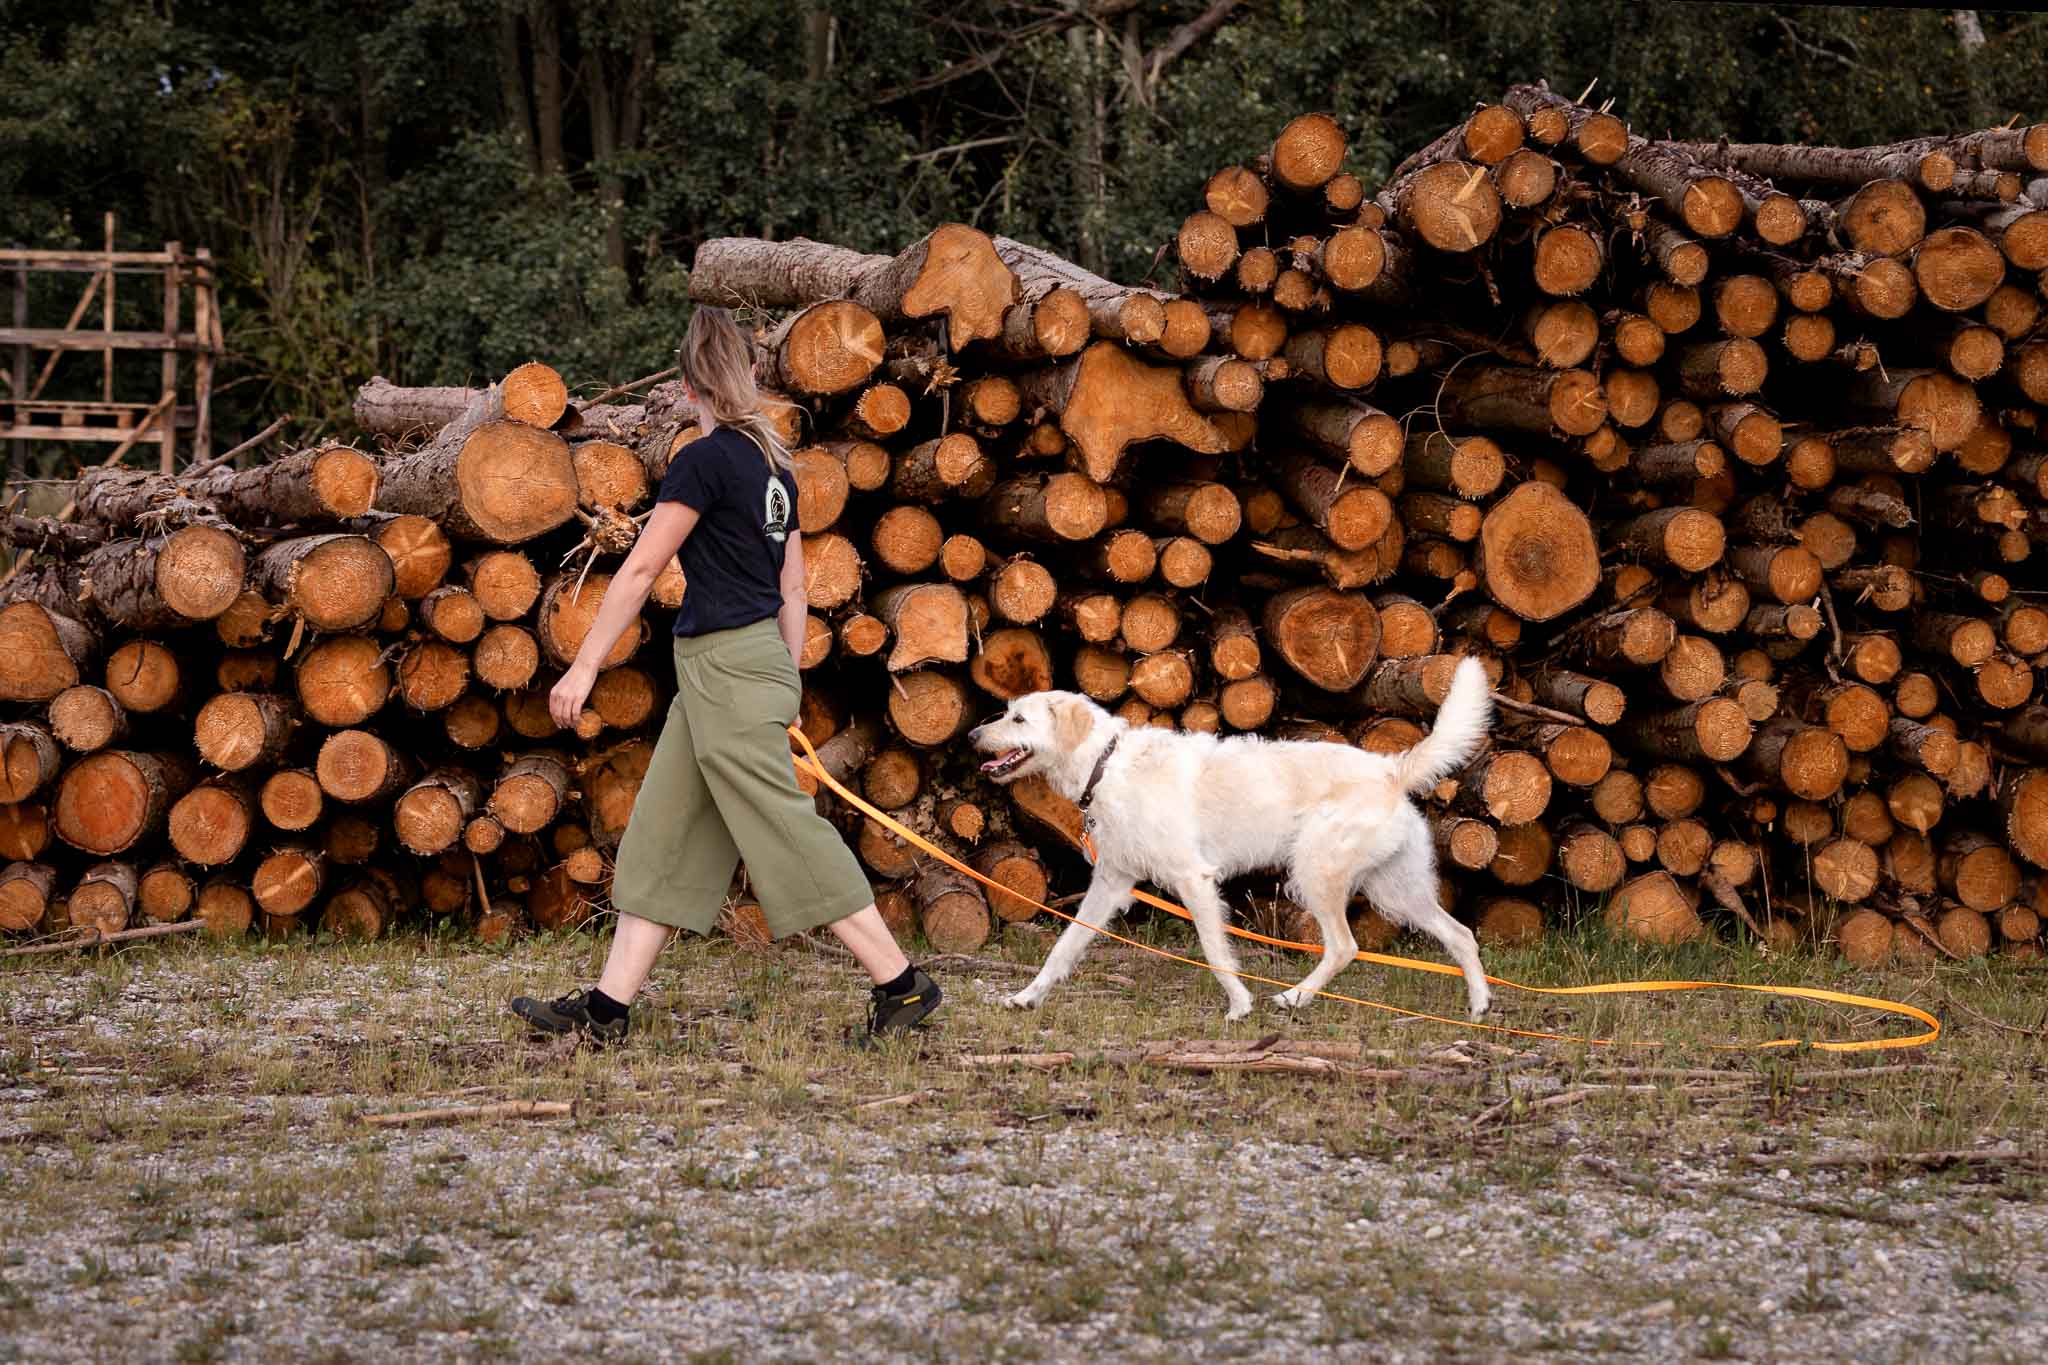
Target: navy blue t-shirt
732,561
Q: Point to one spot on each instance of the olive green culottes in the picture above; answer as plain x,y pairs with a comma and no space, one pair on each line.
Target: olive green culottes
721,788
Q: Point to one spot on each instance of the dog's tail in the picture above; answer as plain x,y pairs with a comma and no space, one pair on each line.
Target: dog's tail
1461,724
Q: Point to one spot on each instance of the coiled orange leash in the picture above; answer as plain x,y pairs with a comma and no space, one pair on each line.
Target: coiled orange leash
1866,1002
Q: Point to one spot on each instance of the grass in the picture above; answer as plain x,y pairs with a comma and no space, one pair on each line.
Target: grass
189,1115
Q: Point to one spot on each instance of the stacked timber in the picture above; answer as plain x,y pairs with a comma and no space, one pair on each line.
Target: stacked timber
1725,459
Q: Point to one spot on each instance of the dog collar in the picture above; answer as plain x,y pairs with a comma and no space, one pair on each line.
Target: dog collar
1096,776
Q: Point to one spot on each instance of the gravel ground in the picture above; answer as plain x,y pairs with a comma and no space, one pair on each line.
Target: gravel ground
201,1206
626,1241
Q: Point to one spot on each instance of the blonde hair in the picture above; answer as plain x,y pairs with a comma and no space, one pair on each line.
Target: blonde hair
718,364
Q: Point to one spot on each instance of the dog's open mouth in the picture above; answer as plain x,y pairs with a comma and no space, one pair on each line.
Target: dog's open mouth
1005,763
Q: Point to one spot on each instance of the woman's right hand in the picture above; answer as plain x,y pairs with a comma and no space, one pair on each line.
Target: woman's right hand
565,702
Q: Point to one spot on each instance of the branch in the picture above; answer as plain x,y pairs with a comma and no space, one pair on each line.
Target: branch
949,150
1798,41
207,466
975,65
983,61
1183,38
94,939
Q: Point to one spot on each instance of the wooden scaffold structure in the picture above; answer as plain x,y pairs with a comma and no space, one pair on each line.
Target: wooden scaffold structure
26,414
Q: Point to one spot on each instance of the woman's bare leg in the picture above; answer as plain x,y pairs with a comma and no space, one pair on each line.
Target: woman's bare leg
867,937
635,945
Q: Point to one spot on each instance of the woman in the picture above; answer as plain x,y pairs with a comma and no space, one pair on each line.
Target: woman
720,787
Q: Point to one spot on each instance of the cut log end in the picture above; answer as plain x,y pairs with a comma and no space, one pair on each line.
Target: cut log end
1330,638
291,799
108,801
199,572
1538,556
534,393
966,279
86,719
1309,150
419,552
41,653
1451,205
356,766
1654,909
515,482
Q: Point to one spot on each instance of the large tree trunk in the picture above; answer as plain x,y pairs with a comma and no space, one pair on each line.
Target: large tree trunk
326,484
498,481
383,408
1921,161
954,272
1116,312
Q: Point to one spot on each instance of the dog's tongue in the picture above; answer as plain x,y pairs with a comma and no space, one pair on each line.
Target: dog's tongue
1001,760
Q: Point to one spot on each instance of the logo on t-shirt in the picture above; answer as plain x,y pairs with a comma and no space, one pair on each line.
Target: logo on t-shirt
775,516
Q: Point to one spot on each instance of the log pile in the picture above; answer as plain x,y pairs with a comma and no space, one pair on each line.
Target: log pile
1726,459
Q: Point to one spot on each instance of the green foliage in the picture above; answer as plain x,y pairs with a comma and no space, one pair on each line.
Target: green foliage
377,182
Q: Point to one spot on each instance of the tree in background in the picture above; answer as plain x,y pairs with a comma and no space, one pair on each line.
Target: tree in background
439,189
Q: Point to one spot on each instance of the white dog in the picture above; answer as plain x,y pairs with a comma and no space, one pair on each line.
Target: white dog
1186,811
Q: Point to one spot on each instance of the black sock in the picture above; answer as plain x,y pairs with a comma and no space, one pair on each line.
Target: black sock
603,1008
901,984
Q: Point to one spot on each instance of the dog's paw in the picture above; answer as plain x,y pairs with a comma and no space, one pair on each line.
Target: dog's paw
1022,1000
1238,1009
1295,999
1482,1007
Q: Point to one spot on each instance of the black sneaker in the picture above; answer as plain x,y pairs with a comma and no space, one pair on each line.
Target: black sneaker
895,1012
569,1014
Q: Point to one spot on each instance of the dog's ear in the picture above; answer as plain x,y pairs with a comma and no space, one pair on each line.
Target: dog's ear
1071,722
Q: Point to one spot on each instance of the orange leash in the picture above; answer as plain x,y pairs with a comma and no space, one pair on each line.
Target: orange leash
1867,1002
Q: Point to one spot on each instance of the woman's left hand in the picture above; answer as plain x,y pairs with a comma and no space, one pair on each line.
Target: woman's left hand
565,702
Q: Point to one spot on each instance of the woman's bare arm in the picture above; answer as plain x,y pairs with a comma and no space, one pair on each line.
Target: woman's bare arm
659,540
795,600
